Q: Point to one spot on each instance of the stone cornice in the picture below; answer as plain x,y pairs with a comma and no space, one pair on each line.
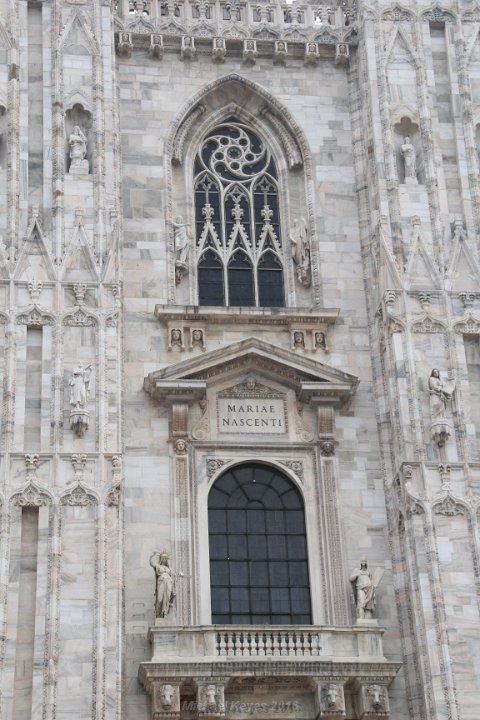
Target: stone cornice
247,315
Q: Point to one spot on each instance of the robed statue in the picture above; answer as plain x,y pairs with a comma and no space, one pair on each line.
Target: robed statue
364,585
165,583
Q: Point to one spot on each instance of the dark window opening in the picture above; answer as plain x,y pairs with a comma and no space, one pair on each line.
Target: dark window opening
210,280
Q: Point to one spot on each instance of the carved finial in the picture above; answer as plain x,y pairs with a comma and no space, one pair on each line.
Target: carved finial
79,215
266,214
79,290
237,213
208,212
79,460
35,289
31,465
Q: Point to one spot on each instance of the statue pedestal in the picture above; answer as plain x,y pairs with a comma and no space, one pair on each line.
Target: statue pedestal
79,167
441,431
79,422
367,622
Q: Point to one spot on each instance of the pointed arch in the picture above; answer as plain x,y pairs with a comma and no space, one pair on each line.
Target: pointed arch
233,96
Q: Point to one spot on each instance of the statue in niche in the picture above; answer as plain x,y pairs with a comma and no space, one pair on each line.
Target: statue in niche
181,243
301,251
363,586
440,392
409,161
78,152
165,583
298,340
79,384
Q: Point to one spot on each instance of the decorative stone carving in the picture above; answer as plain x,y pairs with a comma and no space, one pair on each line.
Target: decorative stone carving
320,341
78,495
469,326
301,251
124,45
30,496
176,339
164,583
182,243
156,47
467,298
332,701
219,49
180,446
187,50
34,290
197,339
166,701
79,461
78,152
298,340
280,52
201,430
296,466
79,396
428,324
250,53
35,317
79,318
327,448
80,290
342,54
449,506
373,702
312,53
112,498
304,435
364,585
459,232
211,700
439,392
409,161
31,465
213,465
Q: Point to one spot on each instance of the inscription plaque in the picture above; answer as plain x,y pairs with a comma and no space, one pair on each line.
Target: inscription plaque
251,408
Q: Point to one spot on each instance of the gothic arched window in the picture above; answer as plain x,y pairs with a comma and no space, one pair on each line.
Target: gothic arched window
237,220
258,548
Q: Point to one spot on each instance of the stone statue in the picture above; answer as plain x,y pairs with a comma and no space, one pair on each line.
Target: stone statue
165,583
78,151
410,161
363,585
301,251
181,243
80,386
440,392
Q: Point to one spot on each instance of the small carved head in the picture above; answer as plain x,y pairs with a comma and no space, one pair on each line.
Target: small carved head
377,695
210,697
180,446
435,373
166,695
197,336
298,339
332,697
176,335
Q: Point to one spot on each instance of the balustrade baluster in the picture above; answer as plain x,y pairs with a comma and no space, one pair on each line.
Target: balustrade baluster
230,645
276,643
283,643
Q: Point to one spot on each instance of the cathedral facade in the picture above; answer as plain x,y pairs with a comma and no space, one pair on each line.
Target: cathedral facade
240,360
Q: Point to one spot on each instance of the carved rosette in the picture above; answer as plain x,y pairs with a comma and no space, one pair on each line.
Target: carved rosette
213,465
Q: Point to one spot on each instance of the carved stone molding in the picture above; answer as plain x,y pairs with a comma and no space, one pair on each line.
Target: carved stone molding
78,495
468,326
296,466
112,498
213,465
448,505
201,429
31,495
34,316
427,324
79,318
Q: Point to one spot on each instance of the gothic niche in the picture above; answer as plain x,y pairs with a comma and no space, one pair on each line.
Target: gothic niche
408,155
78,123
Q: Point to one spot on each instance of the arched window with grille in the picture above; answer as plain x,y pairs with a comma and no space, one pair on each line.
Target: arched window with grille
258,548
237,220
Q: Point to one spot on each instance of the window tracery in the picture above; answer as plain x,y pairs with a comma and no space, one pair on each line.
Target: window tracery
238,234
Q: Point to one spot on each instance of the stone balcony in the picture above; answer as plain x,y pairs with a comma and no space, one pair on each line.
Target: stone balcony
186,661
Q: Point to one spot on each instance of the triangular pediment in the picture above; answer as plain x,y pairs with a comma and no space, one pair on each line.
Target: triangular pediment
312,381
